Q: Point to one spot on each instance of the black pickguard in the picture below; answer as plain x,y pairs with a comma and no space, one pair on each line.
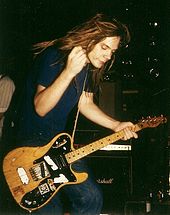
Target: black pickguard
47,187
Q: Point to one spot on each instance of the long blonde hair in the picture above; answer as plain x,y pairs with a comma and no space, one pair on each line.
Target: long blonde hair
87,35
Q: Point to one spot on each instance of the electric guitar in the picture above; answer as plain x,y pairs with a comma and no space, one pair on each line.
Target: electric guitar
35,174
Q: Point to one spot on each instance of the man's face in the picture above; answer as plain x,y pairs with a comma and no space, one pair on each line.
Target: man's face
103,51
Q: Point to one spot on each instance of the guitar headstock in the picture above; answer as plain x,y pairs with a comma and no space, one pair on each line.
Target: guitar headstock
152,122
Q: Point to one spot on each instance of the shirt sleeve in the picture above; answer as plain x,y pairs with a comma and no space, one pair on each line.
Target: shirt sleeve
7,88
48,67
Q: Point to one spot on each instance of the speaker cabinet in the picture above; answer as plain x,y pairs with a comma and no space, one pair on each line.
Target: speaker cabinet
112,170
114,174
110,98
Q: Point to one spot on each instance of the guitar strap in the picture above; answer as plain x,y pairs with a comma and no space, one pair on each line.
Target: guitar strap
78,111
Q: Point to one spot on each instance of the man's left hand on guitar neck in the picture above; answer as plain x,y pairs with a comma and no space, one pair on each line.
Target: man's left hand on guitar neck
128,128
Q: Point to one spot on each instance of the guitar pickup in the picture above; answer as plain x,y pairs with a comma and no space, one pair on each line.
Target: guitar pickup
23,175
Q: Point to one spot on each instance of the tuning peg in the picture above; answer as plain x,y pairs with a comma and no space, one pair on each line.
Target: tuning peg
142,119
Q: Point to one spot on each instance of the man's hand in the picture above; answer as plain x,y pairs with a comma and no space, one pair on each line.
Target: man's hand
77,59
128,128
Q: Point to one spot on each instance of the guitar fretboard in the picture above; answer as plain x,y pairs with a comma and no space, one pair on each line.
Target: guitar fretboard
99,144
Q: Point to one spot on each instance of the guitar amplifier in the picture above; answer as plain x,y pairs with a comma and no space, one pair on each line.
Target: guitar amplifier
114,173
112,168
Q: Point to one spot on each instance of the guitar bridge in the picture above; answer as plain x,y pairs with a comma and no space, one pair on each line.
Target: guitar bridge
39,171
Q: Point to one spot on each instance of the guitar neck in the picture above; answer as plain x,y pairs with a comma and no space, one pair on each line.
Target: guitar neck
95,146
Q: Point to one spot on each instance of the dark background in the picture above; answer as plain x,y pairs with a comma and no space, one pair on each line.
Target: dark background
140,75
25,22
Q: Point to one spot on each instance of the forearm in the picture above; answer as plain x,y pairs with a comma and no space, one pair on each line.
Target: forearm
92,112
47,98
95,114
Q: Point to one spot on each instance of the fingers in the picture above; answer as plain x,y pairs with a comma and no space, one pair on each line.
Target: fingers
129,133
88,94
75,50
78,52
77,59
128,128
